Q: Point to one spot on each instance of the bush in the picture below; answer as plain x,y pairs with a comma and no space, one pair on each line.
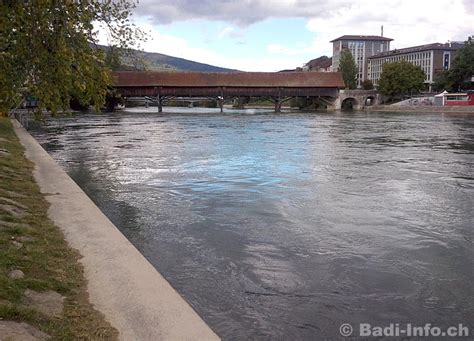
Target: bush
367,85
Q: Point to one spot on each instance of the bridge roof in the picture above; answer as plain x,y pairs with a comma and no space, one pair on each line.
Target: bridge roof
230,79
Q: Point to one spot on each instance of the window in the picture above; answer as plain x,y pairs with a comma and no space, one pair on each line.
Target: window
457,98
446,60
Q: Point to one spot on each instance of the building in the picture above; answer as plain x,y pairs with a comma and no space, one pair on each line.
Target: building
321,64
361,47
432,58
457,99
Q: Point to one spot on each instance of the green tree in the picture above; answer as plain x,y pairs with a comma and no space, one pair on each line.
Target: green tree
47,49
124,59
113,58
459,77
401,78
348,68
367,85
444,81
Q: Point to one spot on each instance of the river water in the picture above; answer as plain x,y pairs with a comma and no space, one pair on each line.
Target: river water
285,226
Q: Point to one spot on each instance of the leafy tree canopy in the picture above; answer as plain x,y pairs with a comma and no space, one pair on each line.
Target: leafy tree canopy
367,85
399,78
47,49
459,77
348,68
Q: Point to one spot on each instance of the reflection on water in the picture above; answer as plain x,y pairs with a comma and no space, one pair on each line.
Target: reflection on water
285,226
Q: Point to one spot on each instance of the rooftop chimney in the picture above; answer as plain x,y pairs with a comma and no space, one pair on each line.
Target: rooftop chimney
381,31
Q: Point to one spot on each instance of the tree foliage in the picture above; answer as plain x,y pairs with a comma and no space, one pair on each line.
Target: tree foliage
47,49
367,85
459,77
348,67
401,78
123,59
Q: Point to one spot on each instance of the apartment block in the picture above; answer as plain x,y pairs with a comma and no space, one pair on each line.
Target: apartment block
432,58
361,47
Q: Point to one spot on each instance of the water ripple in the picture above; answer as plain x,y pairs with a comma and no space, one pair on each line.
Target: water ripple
285,226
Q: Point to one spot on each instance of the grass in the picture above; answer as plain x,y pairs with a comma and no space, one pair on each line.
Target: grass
45,258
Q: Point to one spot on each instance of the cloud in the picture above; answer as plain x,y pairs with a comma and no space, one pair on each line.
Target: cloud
408,22
231,32
361,15
179,47
469,6
279,49
241,12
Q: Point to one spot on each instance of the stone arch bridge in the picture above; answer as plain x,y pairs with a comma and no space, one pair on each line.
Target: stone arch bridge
356,99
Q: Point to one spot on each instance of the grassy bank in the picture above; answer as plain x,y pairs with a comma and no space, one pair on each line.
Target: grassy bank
35,258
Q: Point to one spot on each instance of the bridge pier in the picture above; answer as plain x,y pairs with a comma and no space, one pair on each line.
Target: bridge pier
278,101
159,102
278,104
220,101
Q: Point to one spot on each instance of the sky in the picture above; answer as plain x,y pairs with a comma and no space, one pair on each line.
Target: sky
273,35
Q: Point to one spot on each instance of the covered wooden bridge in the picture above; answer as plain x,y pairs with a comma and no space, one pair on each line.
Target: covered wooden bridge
276,86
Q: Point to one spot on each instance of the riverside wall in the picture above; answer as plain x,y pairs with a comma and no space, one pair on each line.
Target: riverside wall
421,109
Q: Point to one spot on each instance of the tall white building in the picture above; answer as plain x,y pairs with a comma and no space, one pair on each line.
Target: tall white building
431,58
361,47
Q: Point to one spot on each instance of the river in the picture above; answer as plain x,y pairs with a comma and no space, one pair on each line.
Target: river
286,226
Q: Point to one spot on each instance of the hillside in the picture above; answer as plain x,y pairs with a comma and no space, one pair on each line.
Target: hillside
158,61
161,62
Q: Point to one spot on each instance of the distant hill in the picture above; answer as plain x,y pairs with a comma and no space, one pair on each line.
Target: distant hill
161,62
158,61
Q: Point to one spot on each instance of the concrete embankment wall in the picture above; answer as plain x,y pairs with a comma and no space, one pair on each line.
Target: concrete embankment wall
122,284
422,109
